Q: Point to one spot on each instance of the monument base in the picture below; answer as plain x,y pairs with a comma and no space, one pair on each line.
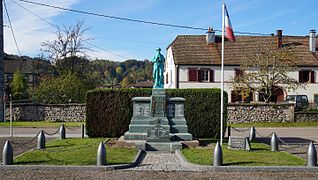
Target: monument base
156,146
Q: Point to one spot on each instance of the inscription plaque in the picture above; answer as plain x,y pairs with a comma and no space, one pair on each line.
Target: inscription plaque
239,143
158,133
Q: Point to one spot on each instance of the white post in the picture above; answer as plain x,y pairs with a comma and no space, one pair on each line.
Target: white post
11,117
222,74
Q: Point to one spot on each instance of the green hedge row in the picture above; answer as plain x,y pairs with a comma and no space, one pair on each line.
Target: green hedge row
108,112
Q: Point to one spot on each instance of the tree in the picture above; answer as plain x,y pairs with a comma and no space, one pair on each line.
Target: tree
19,86
265,70
64,89
69,42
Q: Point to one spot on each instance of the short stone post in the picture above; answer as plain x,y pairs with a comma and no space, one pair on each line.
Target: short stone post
218,155
228,131
83,130
252,134
311,155
41,140
101,155
7,154
274,142
62,132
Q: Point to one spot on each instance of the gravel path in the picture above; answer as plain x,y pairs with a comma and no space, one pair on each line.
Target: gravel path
159,161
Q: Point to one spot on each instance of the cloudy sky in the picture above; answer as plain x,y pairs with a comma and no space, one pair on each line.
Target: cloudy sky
121,40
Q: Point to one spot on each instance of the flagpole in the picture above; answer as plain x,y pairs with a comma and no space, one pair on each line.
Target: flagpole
222,74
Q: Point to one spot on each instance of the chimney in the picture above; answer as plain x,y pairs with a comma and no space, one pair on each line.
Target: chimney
312,41
210,36
279,35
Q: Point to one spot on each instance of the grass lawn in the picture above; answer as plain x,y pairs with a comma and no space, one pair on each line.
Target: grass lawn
265,124
75,152
40,124
258,156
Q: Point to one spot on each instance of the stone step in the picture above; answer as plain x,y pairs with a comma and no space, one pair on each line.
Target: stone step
163,146
142,128
177,122
181,137
135,136
179,129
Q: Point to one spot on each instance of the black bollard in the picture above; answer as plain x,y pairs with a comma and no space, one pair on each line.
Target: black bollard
7,154
274,142
218,155
252,134
41,140
311,155
228,131
101,155
62,132
82,130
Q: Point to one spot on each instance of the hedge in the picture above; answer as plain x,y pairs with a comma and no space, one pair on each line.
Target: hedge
108,111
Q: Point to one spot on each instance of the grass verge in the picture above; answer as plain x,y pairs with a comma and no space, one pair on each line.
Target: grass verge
258,156
268,124
75,152
38,124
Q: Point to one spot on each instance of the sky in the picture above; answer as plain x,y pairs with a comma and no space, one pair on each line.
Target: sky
121,40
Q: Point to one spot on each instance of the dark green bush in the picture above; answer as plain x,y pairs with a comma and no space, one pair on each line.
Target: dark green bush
109,111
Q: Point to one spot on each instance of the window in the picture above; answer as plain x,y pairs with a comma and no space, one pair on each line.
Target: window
238,73
9,78
205,75
167,78
192,74
316,100
306,76
170,76
201,75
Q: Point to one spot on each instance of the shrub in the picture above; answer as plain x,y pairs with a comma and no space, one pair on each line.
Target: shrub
108,112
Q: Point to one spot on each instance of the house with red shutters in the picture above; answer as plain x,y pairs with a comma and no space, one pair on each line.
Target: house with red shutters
194,61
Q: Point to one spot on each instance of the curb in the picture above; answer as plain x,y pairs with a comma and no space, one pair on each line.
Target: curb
187,164
138,159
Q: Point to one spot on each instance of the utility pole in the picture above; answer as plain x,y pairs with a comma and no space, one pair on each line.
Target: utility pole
1,64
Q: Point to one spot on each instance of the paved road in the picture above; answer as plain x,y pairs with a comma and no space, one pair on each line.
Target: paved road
32,132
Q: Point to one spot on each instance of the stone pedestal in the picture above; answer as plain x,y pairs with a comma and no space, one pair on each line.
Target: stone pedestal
158,123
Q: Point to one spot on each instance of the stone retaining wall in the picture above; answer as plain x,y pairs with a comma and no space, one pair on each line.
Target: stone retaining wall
237,113
306,116
48,112
248,113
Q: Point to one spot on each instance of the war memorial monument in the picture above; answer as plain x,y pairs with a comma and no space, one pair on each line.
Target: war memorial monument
158,122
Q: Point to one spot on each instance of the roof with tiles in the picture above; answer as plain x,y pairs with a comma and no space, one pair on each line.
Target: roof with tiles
193,50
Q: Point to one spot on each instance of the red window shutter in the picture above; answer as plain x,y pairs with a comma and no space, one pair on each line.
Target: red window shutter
192,74
312,76
233,96
301,76
199,76
211,76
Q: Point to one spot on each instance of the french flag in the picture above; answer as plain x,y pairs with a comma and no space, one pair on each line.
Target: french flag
228,27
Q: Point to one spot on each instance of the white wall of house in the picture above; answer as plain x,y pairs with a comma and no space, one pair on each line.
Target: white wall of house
170,71
311,89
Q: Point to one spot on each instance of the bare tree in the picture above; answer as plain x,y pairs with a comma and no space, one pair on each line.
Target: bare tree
265,70
69,42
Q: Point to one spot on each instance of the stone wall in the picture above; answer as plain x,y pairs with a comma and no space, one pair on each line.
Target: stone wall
248,113
48,112
306,116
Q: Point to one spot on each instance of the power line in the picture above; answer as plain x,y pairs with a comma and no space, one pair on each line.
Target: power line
34,14
54,25
11,28
107,50
134,20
